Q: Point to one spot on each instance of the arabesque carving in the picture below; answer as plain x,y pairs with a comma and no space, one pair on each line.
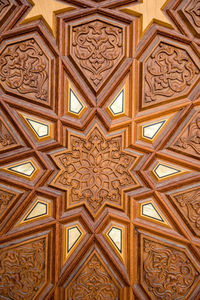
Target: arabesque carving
190,138
168,72
22,270
189,205
24,68
95,170
97,48
193,9
5,200
93,282
5,137
168,273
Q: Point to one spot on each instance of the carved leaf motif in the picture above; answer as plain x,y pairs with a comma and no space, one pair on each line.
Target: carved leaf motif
190,138
5,200
189,204
24,67
169,71
193,9
93,283
96,170
22,270
97,47
168,273
5,137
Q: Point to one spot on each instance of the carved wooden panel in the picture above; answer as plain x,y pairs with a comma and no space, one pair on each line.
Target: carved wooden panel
97,47
93,281
99,150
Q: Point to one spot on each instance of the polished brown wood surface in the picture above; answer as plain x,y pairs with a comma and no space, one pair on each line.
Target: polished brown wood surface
99,149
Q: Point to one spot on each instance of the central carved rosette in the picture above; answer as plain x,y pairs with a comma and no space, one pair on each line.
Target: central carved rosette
96,170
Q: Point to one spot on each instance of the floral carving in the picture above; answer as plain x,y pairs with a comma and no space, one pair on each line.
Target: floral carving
22,270
169,71
95,170
189,204
97,47
5,138
190,138
193,9
168,273
93,282
5,200
24,68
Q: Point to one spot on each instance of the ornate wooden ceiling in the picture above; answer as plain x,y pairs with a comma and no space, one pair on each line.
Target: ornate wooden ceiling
99,149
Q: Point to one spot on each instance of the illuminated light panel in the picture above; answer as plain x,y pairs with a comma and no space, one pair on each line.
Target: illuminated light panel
151,131
42,130
148,210
115,234
117,106
73,235
26,169
38,210
162,171
75,105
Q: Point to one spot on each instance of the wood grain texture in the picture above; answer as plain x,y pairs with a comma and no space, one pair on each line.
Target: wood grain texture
95,170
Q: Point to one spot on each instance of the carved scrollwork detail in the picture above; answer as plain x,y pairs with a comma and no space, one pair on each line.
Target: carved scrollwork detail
193,9
169,71
168,273
189,204
190,140
96,170
93,282
97,47
24,67
5,138
22,270
5,200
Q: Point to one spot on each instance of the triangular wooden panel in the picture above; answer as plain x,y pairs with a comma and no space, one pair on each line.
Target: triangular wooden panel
6,138
9,137
187,140
93,271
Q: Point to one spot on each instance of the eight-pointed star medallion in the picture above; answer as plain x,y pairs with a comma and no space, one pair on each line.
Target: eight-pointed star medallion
95,170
